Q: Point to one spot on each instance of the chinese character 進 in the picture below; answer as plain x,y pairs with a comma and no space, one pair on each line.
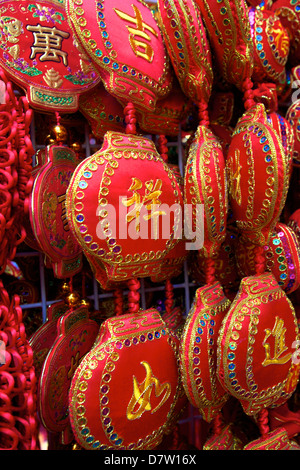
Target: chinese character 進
138,34
48,42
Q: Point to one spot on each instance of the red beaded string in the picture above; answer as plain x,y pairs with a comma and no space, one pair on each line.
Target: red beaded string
130,118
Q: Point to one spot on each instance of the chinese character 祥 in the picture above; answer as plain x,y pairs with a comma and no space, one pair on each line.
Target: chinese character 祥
138,34
150,201
48,42
279,347
141,398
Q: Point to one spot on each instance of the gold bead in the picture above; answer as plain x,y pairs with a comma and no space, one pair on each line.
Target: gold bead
59,134
73,299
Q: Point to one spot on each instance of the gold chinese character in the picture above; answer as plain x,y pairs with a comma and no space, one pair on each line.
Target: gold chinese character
150,200
62,200
278,333
48,42
141,398
235,178
138,34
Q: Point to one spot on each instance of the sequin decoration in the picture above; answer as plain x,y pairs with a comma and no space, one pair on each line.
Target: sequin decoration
125,44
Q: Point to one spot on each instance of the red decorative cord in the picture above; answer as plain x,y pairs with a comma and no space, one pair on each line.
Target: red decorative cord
162,147
259,260
263,421
130,118
203,113
169,292
210,271
218,424
248,93
133,295
118,299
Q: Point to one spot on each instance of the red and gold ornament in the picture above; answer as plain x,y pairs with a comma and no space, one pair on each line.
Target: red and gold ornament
256,344
281,255
50,227
39,53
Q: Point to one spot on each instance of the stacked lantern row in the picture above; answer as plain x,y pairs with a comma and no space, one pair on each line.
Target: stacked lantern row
238,66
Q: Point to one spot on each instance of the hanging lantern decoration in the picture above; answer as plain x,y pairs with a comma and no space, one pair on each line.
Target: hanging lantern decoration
229,34
126,173
188,48
55,165
43,338
40,54
103,418
205,184
198,350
